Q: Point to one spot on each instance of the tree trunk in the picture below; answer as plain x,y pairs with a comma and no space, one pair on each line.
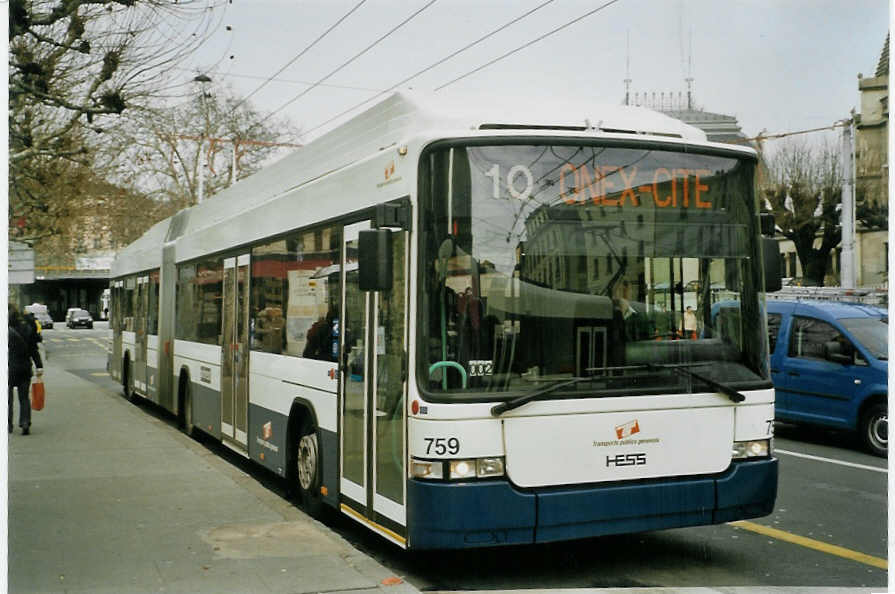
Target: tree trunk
816,269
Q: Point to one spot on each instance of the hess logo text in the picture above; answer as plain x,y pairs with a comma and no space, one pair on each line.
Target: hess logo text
636,459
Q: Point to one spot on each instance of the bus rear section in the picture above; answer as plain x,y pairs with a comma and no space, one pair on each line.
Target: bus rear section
571,379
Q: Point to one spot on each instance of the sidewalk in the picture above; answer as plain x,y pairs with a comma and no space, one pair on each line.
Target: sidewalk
106,498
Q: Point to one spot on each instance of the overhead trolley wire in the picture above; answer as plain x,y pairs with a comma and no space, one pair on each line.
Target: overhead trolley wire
280,80
349,61
300,54
529,43
761,137
433,65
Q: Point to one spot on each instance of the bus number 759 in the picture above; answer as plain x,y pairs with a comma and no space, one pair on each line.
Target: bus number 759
442,445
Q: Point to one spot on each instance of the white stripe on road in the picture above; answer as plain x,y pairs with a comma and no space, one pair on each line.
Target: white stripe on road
831,461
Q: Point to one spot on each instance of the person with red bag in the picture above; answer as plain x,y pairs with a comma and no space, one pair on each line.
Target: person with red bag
22,349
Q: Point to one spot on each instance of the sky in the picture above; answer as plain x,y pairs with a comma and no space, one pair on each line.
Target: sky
777,65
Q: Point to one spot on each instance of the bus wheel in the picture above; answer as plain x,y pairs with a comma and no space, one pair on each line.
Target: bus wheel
875,429
307,471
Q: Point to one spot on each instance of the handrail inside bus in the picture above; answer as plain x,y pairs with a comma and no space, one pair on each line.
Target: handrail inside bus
454,364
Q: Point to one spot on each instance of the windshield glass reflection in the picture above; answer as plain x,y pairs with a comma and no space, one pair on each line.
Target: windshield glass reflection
551,262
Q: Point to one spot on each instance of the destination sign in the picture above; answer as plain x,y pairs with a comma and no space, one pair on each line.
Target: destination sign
611,185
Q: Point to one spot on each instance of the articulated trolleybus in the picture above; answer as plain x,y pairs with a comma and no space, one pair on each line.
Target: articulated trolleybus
473,323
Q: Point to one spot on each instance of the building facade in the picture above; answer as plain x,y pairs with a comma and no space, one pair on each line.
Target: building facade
871,136
872,170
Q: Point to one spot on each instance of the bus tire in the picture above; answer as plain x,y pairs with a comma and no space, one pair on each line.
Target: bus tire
874,429
185,406
308,470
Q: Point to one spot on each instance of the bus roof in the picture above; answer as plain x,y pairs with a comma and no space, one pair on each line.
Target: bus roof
397,120
144,253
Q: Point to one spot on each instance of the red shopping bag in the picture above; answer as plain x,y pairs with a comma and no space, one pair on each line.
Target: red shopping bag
37,394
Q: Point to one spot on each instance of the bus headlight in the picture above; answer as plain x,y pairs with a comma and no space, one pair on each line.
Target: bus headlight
488,467
462,469
759,448
457,470
426,469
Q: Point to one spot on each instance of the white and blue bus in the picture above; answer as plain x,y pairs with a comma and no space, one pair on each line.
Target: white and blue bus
473,323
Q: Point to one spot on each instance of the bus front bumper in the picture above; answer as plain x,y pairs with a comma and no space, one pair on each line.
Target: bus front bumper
491,513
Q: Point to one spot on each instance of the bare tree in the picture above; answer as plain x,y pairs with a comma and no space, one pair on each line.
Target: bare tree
160,151
74,66
804,193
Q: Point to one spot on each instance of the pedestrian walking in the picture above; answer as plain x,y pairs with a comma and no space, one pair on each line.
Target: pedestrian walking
22,345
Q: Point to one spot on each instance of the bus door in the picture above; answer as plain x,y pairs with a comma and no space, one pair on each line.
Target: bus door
117,325
140,335
235,352
372,393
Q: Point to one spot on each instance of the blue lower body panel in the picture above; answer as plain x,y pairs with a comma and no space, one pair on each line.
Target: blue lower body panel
453,516
489,513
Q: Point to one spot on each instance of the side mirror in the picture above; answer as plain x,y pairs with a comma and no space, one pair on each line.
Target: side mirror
770,253
374,260
833,352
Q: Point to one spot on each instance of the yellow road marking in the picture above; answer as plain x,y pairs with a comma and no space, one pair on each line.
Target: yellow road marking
100,374
397,537
810,543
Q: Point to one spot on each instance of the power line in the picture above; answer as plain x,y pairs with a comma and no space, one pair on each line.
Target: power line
273,78
525,45
762,137
438,63
300,54
349,61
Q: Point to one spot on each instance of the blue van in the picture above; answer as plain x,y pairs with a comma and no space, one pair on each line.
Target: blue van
829,366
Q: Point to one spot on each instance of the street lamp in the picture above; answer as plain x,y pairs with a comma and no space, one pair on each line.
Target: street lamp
202,79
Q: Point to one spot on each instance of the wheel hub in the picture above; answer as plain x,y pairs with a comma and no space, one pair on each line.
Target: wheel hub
307,461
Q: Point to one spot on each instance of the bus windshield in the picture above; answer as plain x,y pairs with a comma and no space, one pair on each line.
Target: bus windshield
544,263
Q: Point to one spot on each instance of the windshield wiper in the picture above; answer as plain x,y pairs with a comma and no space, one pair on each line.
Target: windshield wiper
503,407
726,390
499,409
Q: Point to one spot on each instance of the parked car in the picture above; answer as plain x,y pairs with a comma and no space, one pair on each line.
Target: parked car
829,365
79,318
41,314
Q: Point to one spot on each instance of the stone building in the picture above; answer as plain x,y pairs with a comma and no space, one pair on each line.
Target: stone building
872,125
872,170
718,127
72,267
